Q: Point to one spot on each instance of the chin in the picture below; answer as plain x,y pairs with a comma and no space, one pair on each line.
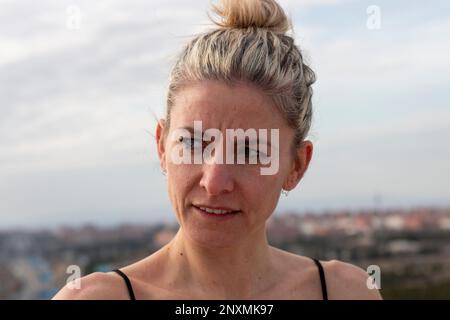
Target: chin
213,239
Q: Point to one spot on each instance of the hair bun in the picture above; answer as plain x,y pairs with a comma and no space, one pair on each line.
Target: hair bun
265,14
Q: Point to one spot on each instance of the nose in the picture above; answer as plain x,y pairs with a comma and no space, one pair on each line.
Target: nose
217,179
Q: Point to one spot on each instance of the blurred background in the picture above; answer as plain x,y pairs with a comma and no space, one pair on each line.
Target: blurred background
79,177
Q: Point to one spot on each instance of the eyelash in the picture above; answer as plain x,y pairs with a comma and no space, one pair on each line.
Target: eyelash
189,142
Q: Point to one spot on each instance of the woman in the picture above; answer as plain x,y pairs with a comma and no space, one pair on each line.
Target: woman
245,74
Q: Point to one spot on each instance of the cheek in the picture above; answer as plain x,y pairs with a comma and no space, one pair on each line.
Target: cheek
179,182
263,192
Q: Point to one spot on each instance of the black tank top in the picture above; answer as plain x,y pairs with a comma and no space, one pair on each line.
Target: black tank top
319,267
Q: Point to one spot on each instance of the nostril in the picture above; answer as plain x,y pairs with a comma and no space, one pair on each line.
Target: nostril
216,181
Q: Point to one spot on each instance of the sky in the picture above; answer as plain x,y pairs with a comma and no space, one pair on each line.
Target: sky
81,80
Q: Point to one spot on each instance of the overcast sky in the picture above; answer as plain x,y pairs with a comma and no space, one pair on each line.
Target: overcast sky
77,97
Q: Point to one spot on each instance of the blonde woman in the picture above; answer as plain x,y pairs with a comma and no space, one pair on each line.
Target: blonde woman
245,73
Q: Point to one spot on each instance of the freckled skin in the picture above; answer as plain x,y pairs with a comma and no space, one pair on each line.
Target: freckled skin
237,186
210,259
216,249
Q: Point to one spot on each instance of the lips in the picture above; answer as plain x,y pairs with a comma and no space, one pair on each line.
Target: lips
214,210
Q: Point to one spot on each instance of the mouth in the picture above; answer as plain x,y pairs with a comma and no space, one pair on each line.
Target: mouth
216,212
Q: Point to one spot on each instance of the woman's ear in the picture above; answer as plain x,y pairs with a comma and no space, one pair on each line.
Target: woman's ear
300,163
160,142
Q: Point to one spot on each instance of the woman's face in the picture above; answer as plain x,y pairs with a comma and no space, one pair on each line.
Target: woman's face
237,187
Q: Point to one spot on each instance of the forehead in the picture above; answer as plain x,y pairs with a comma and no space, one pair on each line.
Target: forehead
220,106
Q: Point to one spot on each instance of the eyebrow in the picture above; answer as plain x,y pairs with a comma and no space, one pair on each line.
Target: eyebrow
191,130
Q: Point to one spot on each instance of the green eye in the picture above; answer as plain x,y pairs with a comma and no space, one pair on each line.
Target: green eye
190,143
248,152
251,152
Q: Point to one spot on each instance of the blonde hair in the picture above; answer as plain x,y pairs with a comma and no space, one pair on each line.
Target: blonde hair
250,45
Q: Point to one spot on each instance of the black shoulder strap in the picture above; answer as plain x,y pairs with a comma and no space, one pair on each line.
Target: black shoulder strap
127,282
322,279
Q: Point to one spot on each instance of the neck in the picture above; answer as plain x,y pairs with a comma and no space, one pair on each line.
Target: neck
238,271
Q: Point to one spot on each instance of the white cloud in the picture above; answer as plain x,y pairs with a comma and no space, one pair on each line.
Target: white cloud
77,102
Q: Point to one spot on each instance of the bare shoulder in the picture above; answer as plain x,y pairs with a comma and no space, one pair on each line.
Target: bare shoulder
346,281
95,286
